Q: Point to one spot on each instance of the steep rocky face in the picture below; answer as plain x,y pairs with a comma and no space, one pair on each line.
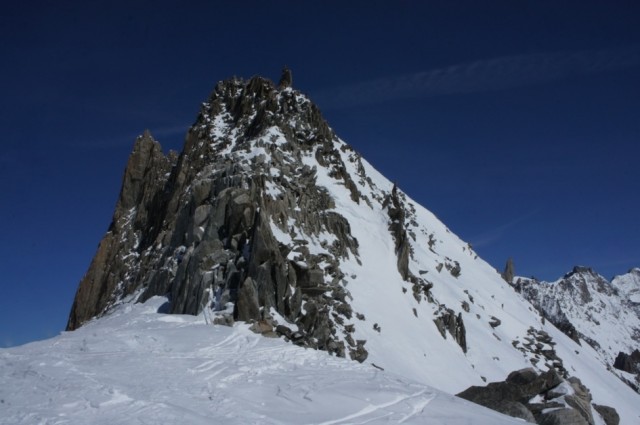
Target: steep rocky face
238,220
589,308
118,254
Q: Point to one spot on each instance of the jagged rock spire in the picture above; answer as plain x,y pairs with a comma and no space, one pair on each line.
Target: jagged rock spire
286,79
144,179
509,271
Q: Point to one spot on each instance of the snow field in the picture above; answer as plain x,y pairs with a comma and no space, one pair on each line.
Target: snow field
137,366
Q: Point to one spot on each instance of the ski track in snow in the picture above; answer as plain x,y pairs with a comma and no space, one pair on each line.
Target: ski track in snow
136,367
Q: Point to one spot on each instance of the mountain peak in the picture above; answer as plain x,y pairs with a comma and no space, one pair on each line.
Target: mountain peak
580,270
269,219
239,110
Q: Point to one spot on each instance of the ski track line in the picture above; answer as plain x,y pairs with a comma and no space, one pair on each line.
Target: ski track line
418,408
374,407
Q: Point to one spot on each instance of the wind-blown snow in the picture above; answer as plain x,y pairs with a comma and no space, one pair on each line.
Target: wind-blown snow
138,366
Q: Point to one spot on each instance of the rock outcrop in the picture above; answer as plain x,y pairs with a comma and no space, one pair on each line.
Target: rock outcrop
141,195
629,363
555,400
509,271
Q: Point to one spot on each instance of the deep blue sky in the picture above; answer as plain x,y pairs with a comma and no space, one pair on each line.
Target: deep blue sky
517,123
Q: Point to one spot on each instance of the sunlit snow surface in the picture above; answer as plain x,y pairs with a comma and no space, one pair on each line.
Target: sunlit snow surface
138,366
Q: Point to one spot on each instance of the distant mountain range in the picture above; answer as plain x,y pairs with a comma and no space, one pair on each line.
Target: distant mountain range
268,221
590,309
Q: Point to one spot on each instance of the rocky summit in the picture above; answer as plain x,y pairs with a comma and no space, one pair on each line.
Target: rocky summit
202,227
268,220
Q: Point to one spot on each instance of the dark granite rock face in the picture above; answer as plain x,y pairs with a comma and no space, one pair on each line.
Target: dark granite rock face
628,362
143,183
201,228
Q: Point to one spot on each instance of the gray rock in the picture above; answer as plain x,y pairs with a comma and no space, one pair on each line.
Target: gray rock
448,321
284,331
247,307
509,271
495,322
514,394
224,320
562,416
522,376
609,414
514,409
628,362
537,408
359,354
580,400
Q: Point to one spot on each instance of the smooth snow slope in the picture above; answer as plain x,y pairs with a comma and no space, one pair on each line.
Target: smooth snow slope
137,366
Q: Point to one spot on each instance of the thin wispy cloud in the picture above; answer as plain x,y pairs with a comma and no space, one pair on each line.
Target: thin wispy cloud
480,76
493,235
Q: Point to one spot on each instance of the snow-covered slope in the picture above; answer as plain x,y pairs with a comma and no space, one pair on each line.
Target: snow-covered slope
269,217
138,366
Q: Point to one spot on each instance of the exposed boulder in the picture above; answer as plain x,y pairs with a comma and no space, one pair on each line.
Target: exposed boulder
580,400
560,402
494,322
514,409
522,376
628,362
609,414
562,416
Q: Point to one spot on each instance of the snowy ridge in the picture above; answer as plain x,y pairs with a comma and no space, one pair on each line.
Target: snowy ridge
138,366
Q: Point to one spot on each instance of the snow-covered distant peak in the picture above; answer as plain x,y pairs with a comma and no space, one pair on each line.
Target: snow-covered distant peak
628,285
590,309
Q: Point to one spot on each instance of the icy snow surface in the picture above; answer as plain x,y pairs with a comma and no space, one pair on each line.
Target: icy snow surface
138,366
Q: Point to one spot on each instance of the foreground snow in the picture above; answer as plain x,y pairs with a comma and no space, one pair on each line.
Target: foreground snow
138,366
